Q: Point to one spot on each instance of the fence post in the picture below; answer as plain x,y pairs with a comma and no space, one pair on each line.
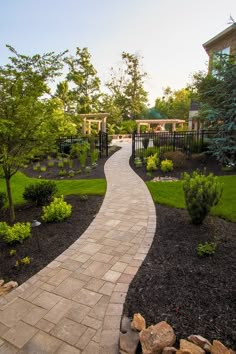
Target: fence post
202,138
133,145
174,142
106,144
100,143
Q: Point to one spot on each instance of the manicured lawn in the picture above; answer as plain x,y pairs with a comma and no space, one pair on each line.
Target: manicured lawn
171,193
65,187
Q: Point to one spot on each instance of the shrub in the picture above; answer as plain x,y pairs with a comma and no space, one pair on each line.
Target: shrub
70,163
152,163
16,233
83,158
145,142
58,210
26,260
3,199
201,193
62,173
43,168
87,170
12,252
71,173
51,163
40,193
206,249
166,166
94,156
138,162
60,164
178,158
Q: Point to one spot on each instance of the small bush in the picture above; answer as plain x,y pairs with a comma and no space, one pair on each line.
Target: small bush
12,252
145,142
206,249
62,173
138,162
201,193
178,158
26,260
16,233
3,199
60,164
51,163
94,156
40,193
83,197
43,168
87,170
57,211
70,163
152,163
166,166
83,158
71,173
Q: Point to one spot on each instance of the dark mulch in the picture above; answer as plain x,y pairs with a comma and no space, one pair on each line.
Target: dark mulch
52,172
196,295
197,161
54,237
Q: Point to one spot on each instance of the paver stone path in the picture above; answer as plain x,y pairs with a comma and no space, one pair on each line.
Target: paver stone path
74,305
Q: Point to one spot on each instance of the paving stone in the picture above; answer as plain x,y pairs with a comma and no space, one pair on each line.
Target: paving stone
86,338
69,287
68,349
114,309
68,331
46,300
15,311
126,278
99,310
97,269
102,257
34,315
111,276
110,339
119,266
92,348
87,297
92,322
78,312
91,249
3,328
7,348
58,311
94,284
118,298
131,270
44,325
122,287
59,277
83,257
19,334
111,322
107,288
42,343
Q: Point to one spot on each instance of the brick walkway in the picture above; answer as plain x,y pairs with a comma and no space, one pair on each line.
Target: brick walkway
74,305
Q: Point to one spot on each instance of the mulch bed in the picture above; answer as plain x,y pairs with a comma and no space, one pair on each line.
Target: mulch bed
53,171
54,238
195,295
198,161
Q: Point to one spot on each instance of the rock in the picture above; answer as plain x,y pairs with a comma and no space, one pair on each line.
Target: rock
129,342
138,322
155,338
184,351
7,287
192,348
169,350
125,324
1,282
218,347
201,342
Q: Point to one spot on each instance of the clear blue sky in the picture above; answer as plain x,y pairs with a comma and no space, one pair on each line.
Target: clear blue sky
168,34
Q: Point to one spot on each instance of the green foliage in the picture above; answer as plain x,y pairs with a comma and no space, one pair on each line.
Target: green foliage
83,197
145,142
138,162
3,199
26,260
94,156
16,233
87,170
12,252
40,193
43,168
70,163
177,157
201,192
71,173
60,164
58,210
51,163
62,173
83,158
152,163
166,166
206,249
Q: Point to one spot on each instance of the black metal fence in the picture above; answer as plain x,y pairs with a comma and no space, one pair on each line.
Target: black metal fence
186,141
99,142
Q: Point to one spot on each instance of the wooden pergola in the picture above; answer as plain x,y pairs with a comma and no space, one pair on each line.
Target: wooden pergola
99,118
159,122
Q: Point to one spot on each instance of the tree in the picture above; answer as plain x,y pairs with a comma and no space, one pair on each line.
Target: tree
28,120
217,94
127,89
86,85
174,104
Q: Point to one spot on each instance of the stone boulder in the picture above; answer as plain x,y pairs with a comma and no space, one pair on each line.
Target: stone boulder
201,342
218,348
5,288
155,338
138,322
190,347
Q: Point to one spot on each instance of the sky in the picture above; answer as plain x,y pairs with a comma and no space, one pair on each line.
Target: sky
167,35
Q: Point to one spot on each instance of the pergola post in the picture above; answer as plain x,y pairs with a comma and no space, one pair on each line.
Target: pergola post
104,124
84,126
89,128
174,127
138,128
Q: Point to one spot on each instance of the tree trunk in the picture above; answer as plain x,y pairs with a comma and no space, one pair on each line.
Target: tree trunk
10,201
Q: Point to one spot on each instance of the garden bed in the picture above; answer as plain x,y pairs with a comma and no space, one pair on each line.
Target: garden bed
53,172
54,238
195,295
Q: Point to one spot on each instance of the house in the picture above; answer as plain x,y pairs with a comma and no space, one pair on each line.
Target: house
223,43
220,45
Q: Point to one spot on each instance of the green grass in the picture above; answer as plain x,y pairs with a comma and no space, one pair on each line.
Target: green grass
65,187
171,194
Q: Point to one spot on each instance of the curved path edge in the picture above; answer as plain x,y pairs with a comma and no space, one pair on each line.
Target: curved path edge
74,304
